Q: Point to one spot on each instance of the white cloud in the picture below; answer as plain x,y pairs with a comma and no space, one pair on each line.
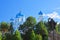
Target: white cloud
57,8
58,22
52,15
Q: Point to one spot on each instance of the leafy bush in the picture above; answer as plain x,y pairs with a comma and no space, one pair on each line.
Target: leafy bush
38,37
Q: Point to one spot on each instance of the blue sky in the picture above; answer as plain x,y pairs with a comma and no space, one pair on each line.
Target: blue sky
9,8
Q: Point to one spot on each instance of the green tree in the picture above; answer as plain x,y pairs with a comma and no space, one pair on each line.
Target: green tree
17,35
3,37
30,35
29,23
41,29
11,28
8,36
4,26
58,28
38,37
46,24
0,36
21,27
